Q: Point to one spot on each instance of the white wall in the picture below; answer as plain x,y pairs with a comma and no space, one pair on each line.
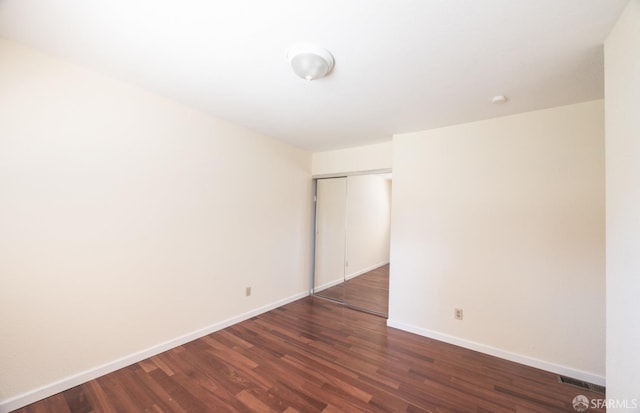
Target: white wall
358,159
127,220
504,218
368,223
622,97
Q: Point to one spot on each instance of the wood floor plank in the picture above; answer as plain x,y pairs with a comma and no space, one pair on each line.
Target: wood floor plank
368,291
77,400
164,401
316,356
56,403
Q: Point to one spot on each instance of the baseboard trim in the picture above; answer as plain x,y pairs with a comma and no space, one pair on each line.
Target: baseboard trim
349,276
328,285
503,354
66,383
366,270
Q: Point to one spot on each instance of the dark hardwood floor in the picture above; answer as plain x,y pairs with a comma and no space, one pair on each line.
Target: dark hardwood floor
317,356
369,291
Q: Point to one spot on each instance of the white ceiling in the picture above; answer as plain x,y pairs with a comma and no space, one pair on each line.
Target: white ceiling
401,65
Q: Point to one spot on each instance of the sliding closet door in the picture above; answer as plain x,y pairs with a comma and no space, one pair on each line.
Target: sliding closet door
331,215
368,237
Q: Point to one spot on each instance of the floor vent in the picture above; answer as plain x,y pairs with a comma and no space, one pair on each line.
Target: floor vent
582,384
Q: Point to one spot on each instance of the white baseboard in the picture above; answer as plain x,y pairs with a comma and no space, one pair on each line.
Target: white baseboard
66,383
366,270
507,355
348,277
328,285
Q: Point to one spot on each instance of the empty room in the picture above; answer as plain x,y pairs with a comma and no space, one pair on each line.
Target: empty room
345,206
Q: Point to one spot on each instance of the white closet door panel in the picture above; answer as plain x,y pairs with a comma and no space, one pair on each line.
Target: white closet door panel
331,210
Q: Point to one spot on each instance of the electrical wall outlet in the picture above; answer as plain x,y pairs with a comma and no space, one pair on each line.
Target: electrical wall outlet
247,291
457,313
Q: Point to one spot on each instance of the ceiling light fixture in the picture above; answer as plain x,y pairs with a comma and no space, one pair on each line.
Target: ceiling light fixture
310,62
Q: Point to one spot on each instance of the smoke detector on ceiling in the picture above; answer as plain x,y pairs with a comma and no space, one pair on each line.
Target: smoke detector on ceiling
499,99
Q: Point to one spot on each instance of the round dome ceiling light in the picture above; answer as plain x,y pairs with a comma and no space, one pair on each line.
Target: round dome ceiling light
310,63
499,100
